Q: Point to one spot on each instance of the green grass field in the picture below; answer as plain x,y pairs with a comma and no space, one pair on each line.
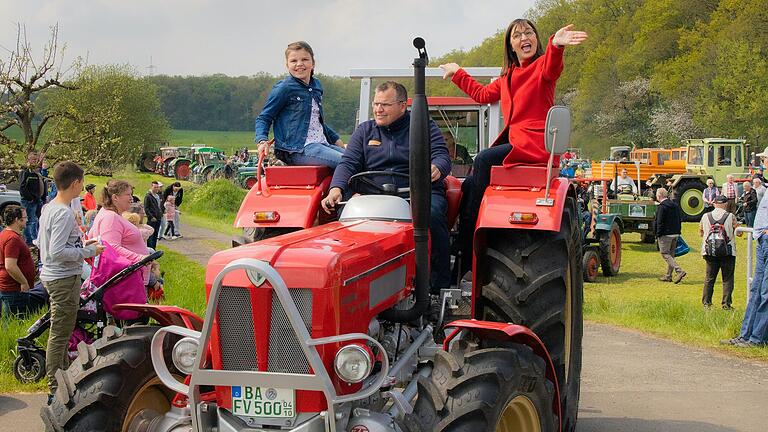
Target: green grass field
636,299
185,289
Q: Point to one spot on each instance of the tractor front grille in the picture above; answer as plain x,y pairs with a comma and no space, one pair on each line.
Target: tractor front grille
236,332
285,353
238,349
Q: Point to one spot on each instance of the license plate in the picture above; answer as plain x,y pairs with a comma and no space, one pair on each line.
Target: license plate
642,226
263,402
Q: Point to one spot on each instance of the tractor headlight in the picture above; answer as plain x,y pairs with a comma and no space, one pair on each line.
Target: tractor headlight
184,354
353,363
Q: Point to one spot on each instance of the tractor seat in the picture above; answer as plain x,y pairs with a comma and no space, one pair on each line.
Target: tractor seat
296,175
453,195
521,175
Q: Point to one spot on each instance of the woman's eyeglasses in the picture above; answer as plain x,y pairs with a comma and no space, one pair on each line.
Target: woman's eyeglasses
528,34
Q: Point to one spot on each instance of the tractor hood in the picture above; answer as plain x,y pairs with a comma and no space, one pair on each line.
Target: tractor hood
339,254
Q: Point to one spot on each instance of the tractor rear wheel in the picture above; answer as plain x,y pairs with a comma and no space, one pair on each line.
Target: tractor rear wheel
610,250
534,278
500,389
181,171
690,197
147,163
591,265
250,182
111,383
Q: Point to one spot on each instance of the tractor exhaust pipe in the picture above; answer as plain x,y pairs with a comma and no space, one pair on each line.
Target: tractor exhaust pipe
421,189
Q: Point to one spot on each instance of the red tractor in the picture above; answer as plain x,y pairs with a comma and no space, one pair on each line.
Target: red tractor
326,329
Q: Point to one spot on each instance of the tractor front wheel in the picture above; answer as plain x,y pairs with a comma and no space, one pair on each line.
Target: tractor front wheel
610,250
110,384
591,264
498,389
534,278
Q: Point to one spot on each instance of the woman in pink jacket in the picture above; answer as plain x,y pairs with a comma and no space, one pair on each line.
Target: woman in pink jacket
114,229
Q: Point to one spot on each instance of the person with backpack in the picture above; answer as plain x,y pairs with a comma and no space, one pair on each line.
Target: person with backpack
32,191
718,248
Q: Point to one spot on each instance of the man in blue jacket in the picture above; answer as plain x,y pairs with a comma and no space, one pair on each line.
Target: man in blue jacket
382,144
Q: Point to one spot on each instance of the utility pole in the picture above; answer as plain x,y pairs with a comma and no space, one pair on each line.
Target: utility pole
151,67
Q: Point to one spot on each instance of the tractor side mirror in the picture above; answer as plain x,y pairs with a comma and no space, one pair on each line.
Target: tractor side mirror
557,132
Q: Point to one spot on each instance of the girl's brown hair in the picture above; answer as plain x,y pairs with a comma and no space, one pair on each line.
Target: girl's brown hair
113,187
510,58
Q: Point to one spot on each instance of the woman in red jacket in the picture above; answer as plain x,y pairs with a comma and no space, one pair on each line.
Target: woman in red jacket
526,89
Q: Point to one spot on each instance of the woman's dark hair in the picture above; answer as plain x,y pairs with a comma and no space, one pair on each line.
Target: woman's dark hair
11,213
113,187
301,45
510,58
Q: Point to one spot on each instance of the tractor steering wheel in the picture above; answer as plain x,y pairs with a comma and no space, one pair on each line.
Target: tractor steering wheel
365,179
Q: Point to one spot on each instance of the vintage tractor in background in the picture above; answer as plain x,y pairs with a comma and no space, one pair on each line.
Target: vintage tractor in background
713,158
146,161
209,161
601,229
327,328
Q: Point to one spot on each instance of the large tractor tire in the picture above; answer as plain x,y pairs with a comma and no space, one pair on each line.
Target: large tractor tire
147,162
591,265
493,389
181,171
250,182
610,250
110,384
534,278
689,195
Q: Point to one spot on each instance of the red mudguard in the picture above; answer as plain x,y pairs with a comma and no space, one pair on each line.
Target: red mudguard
293,192
165,315
513,333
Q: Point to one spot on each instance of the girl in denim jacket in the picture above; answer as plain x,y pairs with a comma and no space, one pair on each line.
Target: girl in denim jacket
295,109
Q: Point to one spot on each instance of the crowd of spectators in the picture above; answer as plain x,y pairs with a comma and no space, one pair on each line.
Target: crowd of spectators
47,242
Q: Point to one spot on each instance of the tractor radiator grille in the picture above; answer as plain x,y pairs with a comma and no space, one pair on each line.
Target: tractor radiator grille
285,353
238,350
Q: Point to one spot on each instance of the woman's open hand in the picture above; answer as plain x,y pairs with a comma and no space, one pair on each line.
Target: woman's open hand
568,36
449,69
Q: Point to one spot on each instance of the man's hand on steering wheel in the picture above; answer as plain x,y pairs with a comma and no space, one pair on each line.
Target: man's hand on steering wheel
333,198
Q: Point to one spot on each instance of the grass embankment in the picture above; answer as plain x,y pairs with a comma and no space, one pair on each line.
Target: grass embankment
184,287
636,299
212,205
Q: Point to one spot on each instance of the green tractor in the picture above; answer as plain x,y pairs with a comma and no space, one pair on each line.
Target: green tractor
146,161
713,158
180,167
601,230
247,173
210,163
638,212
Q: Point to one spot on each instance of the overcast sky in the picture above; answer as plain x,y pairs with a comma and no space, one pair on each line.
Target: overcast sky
202,37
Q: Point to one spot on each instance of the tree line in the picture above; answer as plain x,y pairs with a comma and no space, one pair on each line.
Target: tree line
224,103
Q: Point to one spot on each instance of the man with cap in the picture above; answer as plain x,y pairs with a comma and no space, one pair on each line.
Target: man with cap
715,264
754,328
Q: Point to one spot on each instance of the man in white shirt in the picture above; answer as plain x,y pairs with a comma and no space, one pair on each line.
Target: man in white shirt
624,179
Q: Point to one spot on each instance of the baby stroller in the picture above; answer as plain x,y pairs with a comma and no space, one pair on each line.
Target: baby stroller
29,365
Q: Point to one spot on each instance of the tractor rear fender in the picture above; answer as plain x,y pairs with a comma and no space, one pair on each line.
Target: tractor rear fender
500,202
165,315
504,332
297,204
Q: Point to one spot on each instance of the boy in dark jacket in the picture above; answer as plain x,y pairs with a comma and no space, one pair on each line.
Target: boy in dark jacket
668,224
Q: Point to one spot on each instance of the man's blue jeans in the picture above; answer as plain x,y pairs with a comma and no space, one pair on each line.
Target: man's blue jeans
317,154
440,260
30,231
18,303
754,328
